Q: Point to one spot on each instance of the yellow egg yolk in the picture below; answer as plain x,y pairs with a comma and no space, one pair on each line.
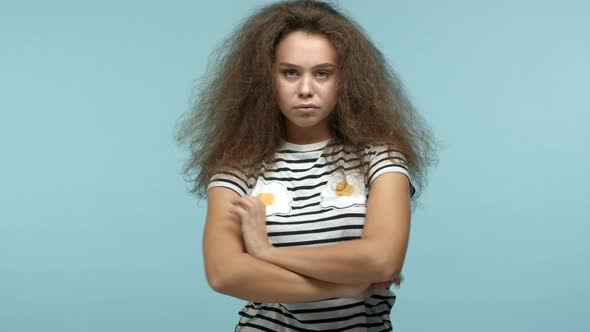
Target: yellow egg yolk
267,198
344,189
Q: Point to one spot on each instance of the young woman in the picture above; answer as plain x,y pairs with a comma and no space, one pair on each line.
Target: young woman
309,154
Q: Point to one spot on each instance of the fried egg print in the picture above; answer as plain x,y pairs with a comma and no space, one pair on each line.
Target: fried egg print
339,194
274,195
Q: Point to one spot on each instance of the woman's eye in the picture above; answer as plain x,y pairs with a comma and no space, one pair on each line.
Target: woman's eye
293,73
323,74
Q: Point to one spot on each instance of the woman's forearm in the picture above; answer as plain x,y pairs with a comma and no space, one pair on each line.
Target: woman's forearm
348,262
252,279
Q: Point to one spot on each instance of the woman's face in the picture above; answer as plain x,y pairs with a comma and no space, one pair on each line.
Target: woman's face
306,82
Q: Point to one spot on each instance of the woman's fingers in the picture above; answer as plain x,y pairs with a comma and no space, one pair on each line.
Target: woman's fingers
244,203
382,285
238,211
253,207
249,203
256,201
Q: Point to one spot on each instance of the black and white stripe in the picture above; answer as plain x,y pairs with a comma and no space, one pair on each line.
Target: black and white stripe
305,173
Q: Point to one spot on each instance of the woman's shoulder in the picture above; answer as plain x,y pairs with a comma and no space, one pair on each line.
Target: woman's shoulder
238,179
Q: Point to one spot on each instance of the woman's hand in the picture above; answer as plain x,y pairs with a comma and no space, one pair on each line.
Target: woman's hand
252,214
397,280
363,291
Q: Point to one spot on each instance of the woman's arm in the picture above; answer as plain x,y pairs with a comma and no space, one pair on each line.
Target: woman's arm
232,271
377,256
250,279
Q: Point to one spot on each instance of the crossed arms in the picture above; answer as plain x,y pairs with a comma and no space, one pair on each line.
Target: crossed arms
239,260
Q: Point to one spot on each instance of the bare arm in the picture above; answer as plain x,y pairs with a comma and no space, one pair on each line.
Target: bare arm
231,270
378,256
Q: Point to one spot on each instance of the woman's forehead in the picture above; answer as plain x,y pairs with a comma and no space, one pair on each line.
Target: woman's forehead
305,50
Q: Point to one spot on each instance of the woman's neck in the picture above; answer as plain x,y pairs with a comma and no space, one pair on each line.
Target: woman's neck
308,136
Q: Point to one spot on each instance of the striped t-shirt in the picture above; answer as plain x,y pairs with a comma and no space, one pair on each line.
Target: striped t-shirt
308,204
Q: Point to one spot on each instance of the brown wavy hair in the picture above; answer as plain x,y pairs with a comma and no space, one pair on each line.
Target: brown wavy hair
235,122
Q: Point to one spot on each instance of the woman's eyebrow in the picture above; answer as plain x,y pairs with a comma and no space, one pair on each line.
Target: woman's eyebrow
321,65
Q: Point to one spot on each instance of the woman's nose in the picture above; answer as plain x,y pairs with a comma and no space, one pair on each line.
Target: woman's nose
305,89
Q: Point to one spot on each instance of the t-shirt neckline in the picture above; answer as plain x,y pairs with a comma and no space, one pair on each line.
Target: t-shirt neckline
304,147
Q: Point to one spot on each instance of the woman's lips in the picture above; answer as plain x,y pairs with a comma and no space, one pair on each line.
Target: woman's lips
305,109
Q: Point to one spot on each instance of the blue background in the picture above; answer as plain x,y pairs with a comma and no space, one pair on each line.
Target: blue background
98,231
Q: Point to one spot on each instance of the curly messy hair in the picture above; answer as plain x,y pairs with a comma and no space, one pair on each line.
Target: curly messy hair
237,98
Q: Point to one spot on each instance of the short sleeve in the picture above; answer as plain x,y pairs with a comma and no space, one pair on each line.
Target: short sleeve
383,159
234,180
